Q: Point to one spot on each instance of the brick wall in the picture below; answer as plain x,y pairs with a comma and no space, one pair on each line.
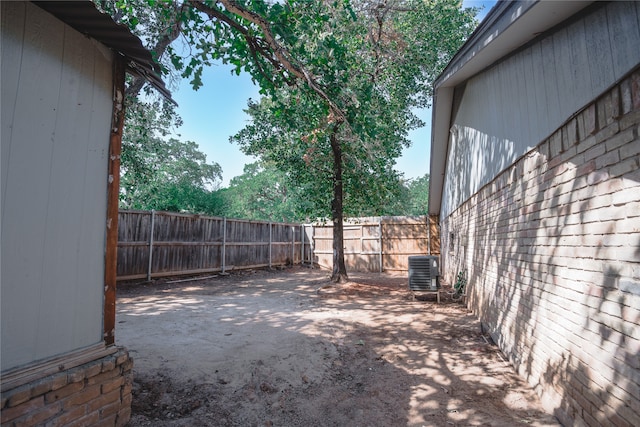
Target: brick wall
94,394
552,251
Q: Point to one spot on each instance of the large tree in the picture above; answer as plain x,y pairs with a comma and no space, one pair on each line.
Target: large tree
340,80
372,64
159,171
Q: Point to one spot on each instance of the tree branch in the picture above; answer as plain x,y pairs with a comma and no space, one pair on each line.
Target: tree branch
281,57
160,48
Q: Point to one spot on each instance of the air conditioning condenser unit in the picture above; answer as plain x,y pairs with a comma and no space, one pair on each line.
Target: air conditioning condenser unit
424,275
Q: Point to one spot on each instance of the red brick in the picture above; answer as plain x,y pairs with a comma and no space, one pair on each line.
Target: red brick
103,377
124,415
88,420
76,375
59,381
594,152
10,414
109,364
597,177
38,417
619,140
128,386
586,143
122,358
68,416
107,422
126,400
111,385
42,387
631,149
93,370
104,400
555,144
110,410
127,365
19,396
630,120
89,393
590,420
624,167
618,421
63,392
604,111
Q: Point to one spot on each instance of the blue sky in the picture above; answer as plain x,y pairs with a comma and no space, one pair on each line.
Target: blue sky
215,112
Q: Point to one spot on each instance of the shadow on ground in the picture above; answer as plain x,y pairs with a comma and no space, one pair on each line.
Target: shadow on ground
288,349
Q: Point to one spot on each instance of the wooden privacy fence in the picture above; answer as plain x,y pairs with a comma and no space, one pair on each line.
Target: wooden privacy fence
378,243
157,244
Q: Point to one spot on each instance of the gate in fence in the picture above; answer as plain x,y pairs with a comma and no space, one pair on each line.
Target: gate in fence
378,244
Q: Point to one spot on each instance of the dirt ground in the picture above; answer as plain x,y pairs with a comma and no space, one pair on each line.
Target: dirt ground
282,348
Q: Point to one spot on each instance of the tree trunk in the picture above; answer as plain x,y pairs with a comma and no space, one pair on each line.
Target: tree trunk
339,274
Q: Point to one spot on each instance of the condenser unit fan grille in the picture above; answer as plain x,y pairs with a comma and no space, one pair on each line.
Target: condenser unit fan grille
423,273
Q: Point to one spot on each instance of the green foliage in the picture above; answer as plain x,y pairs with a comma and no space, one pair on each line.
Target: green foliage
263,192
160,172
376,63
459,288
418,197
340,81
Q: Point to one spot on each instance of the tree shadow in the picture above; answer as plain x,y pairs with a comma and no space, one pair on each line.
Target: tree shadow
268,349
552,255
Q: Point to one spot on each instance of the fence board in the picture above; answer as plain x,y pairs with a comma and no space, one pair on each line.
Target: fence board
190,244
378,243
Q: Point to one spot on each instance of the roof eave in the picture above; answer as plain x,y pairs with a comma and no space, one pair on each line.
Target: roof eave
508,26
86,19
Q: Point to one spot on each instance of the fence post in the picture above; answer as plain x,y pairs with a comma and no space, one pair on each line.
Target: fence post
380,242
224,242
270,239
428,234
312,246
302,244
293,244
153,220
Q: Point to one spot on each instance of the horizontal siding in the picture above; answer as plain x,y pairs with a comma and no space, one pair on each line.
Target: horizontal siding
507,109
56,112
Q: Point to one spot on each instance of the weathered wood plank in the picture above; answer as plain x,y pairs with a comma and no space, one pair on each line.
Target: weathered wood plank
185,242
624,33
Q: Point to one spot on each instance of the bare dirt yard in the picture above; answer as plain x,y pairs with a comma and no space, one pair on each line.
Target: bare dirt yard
282,348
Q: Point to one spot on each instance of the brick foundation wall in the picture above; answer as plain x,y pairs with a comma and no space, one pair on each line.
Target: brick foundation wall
97,393
552,252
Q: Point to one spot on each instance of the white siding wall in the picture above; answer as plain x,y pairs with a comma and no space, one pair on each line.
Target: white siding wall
510,108
56,113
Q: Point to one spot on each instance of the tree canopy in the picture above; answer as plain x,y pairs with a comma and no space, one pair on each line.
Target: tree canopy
339,82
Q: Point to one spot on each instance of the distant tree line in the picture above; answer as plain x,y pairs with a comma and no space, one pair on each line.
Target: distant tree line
163,173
